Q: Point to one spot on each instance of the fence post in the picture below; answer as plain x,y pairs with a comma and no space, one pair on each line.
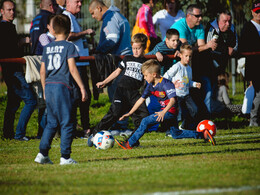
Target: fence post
233,72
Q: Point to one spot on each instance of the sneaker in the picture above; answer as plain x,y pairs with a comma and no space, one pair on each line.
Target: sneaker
181,128
42,159
208,137
22,139
90,140
123,144
69,161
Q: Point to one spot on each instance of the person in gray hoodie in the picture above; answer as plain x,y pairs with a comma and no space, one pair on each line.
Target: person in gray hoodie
115,31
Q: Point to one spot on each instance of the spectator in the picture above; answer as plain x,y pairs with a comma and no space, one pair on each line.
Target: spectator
181,76
39,23
250,42
38,27
165,18
225,34
45,38
17,88
78,37
222,95
170,46
166,95
114,37
127,91
144,21
192,31
58,65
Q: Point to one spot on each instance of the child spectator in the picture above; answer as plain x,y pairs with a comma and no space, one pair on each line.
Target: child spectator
165,92
170,46
222,95
58,65
181,76
45,38
127,91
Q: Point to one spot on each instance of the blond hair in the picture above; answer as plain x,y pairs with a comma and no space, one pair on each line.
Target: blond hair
140,38
185,46
152,66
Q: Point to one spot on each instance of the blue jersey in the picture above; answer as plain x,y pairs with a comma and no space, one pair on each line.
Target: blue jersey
55,56
163,91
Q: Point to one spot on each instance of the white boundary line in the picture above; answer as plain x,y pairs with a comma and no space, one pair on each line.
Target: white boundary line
209,191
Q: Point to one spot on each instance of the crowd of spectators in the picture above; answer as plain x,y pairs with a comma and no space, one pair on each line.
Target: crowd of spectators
211,46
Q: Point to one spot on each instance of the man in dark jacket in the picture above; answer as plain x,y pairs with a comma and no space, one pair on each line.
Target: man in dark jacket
224,32
250,42
39,23
17,88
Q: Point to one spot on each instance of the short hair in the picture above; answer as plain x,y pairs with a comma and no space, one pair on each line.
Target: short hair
97,2
152,66
223,11
191,7
61,24
177,6
185,46
3,1
170,32
140,38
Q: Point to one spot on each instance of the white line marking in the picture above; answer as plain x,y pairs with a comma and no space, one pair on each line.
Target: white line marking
209,191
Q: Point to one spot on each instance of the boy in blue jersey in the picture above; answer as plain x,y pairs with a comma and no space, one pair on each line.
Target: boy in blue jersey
170,46
165,92
58,69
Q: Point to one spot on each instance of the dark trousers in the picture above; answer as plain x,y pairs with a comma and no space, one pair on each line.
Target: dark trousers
84,106
123,100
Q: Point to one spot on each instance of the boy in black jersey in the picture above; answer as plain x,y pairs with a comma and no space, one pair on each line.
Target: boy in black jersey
127,91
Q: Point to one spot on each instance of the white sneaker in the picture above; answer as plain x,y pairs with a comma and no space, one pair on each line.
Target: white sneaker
42,159
69,161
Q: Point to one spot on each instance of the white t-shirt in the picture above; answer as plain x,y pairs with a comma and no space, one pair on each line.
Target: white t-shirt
182,74
80,44
257,26
164,20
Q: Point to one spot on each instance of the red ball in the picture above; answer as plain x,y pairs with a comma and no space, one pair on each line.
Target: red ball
207,125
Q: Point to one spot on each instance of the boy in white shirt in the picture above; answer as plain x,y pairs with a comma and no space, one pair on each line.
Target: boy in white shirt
181,76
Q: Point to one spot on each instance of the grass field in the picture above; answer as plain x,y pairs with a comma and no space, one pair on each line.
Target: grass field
160,166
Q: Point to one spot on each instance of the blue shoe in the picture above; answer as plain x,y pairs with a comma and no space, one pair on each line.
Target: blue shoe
90,140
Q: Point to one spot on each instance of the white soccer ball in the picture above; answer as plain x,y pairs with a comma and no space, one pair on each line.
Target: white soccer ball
103,140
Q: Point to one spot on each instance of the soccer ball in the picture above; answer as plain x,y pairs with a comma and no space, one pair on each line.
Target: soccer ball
103,140
207,125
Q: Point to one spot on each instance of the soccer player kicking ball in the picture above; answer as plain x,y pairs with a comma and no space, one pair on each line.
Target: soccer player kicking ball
165,92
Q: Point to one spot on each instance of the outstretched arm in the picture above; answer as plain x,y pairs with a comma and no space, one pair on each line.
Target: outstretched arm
111,77
138,103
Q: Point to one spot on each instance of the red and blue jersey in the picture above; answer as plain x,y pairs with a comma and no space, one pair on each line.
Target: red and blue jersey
163,91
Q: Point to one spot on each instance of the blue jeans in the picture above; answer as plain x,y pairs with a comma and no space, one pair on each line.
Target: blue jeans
174,130
17,90
59,103
208,88
189,112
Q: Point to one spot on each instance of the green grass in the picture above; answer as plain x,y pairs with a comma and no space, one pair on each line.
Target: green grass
161,164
